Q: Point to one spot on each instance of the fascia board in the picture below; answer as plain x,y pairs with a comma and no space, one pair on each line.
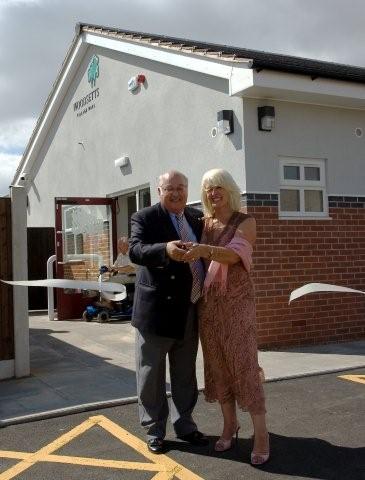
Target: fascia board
50,111
240,80
183,60
302,88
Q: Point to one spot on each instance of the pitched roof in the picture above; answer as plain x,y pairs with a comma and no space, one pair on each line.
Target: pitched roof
228,56
261,60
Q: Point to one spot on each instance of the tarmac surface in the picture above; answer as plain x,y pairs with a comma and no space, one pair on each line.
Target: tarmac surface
78,366
316,432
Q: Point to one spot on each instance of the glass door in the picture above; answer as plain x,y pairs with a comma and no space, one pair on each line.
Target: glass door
85,240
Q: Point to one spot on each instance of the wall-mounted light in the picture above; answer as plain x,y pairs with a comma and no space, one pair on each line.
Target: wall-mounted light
266,117
225,121
121,162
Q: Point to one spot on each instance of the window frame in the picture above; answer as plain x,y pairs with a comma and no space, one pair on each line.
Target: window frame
302,185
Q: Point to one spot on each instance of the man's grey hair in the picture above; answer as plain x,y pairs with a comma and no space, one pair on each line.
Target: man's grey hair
171,173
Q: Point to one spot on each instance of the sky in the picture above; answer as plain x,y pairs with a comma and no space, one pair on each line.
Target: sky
36,34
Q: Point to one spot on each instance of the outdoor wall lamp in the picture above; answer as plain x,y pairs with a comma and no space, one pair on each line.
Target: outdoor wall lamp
225,121
121,162
266,117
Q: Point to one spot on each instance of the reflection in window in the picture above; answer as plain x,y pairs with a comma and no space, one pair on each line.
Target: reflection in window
79,243
313,200
70,243
144,198
289,200
291,172
311,173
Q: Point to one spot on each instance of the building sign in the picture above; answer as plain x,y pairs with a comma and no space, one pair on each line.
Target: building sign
87,103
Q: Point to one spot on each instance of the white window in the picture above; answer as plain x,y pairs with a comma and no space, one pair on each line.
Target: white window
302,188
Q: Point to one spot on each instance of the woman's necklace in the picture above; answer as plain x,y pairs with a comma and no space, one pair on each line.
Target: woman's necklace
220,224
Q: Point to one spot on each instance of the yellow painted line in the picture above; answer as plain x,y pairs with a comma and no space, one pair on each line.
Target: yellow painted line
163,476
50,448
86,461
96,462
17,455
354,378
166,468
137,444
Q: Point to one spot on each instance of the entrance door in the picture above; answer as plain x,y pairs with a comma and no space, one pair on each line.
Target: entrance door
127,204
85,240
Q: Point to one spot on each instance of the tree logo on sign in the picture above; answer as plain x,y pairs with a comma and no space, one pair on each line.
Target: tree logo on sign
93,71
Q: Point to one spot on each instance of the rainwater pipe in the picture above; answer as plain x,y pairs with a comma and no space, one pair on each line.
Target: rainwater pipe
50,295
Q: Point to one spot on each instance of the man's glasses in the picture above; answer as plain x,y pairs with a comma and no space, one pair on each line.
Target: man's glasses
179,189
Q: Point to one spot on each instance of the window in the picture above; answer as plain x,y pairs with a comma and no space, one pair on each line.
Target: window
302,188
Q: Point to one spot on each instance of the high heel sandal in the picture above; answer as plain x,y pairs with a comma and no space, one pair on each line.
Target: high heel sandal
260,458
222,445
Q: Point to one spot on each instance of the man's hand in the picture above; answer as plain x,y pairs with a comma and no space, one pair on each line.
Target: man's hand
176,250
196,251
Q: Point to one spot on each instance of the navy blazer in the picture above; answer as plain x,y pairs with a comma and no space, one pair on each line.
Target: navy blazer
163,286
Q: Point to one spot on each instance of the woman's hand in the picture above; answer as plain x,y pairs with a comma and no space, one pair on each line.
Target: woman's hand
196,251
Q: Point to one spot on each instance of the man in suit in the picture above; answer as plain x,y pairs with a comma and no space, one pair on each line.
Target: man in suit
164,311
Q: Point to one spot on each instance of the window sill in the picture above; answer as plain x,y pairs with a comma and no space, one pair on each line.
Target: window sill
299,217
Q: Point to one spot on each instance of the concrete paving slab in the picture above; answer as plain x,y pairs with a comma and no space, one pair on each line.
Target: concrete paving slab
74,364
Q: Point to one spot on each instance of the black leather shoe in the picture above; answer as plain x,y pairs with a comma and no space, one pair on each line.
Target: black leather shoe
156,445
195,438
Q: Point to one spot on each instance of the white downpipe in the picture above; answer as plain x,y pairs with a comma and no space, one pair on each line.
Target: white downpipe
50,294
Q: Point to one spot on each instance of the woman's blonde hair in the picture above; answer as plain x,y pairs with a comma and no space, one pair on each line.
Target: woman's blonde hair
217,177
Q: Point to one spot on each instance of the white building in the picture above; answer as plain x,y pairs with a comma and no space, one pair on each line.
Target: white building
300,168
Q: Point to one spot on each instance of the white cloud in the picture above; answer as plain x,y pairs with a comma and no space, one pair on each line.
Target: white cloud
10,3
14,135
8,165
4,4
35,36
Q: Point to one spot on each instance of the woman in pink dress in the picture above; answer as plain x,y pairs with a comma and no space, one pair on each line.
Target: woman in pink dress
227,313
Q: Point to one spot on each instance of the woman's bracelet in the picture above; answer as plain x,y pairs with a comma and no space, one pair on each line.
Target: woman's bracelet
210,255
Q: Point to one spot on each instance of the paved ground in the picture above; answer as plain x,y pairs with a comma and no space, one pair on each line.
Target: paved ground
316,423
78,363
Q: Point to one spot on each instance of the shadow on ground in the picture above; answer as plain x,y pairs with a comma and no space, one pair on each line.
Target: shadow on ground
291,456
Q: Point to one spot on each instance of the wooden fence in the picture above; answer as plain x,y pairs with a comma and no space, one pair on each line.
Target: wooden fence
41,245
6,292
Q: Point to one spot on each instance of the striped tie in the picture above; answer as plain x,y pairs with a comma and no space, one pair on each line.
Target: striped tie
197,269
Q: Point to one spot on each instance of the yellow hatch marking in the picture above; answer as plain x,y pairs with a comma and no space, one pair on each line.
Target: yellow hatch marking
354,378
165,467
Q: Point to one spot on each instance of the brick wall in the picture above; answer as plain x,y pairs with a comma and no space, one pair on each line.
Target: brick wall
88,269
291,253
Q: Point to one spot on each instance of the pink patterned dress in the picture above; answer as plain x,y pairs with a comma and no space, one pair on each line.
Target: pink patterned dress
227,325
